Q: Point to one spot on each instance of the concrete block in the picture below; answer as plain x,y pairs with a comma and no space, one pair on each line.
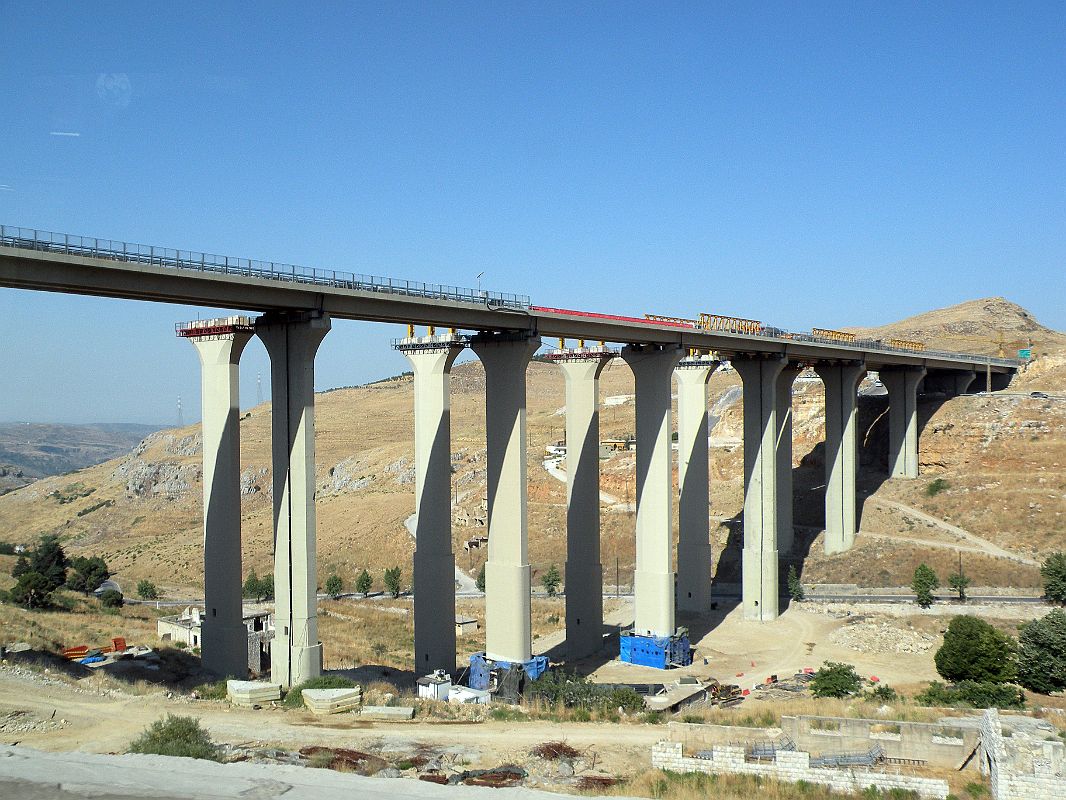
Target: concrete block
392,713
332,701
249,693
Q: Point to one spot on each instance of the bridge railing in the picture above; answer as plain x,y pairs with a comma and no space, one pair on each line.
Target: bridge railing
874,344
47,241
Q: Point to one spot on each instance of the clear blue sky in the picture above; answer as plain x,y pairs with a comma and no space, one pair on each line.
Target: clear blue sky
804,164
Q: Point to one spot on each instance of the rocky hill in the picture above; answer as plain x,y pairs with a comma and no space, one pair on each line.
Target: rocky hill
1000,502
33,450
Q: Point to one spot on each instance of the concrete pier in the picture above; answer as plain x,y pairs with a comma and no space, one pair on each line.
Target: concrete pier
224,640
431,359
292,341
584,571
841,382
653,366
902,385
760,570
693,477
507,575
786,532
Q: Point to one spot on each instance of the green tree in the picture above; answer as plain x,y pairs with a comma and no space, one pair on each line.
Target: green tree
480,582
146,590
266,586
1054,573
86,574
1042,653
7,549
253,587
334,586
959,582
795,586
834,679
392,581
975,651
550,580
22,566
49,559
925,580
364,583
32,590
110,598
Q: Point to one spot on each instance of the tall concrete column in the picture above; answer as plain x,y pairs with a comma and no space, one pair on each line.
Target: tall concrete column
507,578
902,384
841,381
760,591
292,341
786,532
654,578
224,640
584,571
431,359
693,477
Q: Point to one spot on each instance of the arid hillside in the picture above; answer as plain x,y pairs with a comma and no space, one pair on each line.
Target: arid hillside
1000,500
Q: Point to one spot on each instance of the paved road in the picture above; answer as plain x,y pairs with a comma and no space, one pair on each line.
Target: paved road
27,774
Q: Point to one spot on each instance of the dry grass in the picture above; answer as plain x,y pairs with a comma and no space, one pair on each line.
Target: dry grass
84,623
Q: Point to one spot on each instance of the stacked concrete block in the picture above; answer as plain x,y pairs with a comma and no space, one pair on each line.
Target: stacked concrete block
793,766
332,701
388,713
252,693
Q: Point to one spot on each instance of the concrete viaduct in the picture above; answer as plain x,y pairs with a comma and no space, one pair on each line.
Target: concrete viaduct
297,305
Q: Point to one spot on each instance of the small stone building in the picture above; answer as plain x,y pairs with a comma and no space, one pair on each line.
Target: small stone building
187,627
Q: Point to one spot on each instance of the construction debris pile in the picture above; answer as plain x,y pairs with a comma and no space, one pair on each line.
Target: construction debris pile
869,636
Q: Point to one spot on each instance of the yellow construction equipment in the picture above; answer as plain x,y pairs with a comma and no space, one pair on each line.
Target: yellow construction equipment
716,322
905,344
835,336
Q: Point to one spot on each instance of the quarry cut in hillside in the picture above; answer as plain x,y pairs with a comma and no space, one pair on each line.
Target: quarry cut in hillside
1001,459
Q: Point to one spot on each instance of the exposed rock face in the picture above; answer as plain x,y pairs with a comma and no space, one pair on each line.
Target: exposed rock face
144,479
254,481
347,476
401,469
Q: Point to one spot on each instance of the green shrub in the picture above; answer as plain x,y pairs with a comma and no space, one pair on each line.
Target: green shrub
971,694
577,691
33,590
936,487
146,590
975,651
652,717
551,580
334,586
176,736
7,549
795,586
216,690
1053,571
883,694
294,697
110,598
364,583
392,581
1042,653
835,680
923,583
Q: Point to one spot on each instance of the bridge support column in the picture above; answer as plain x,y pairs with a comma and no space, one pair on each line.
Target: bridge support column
224,640
654,576
902,384
786,532
584,571
761,429
507,577
841,452
292,341
693,476
431,359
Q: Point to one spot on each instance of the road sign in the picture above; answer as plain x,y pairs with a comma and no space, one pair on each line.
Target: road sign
1027,353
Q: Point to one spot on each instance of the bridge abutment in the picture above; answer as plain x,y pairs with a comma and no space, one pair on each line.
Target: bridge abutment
761,429
841,383
431,359
292,340
902,385
693,476
507,573
223,639
653,366
584,571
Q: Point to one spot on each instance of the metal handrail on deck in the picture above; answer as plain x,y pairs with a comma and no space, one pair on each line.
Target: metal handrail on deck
47,241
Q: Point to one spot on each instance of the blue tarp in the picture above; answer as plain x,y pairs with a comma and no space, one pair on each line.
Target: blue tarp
660,652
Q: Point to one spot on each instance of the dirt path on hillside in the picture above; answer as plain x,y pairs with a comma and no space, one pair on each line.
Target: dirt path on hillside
985,546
